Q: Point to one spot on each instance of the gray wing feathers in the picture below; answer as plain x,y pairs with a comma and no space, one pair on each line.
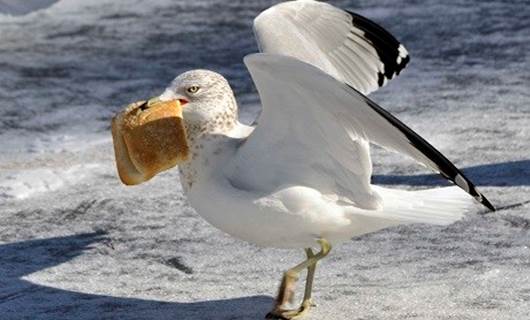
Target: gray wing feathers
333,118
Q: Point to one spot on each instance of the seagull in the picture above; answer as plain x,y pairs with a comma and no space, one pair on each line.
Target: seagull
300,176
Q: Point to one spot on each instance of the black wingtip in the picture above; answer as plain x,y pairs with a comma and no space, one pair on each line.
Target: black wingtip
487,204
391,52
463,182
439,162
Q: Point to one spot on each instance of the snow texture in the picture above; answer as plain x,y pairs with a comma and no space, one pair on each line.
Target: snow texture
77,244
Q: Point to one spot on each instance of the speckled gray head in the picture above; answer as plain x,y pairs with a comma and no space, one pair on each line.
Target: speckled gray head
208,100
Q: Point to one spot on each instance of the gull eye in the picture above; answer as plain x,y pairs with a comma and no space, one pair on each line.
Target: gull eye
193,89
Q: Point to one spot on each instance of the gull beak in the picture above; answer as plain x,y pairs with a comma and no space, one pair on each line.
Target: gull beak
149,137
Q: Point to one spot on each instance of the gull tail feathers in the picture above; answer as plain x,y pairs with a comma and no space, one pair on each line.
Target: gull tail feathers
440,206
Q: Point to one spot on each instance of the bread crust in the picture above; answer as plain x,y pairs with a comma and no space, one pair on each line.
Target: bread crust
148,138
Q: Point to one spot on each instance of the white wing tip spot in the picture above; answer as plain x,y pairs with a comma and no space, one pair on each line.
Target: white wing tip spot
402,51
461,182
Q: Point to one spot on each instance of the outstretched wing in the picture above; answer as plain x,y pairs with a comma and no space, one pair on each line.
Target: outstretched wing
349,47
314,131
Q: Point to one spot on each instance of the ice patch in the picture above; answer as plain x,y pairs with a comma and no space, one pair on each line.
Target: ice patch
25,183
18,7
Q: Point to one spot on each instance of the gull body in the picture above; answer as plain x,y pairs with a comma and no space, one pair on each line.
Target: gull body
284,217
255,207
301,175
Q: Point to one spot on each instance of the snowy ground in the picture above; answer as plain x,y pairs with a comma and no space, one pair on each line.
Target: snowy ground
76,244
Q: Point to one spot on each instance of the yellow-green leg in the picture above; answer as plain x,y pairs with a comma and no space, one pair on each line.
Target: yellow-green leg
286,291
309,279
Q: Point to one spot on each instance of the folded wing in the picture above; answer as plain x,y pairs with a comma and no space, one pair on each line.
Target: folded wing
322,128
351,48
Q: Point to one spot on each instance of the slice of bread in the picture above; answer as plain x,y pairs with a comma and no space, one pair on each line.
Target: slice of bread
149,137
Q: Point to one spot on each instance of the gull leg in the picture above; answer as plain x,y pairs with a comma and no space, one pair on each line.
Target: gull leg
286,291
309,279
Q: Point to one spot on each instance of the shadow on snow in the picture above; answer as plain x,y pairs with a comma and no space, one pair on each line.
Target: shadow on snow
21,299
512,173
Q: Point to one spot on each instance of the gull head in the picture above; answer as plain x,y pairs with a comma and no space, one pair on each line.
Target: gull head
208,103
154,135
